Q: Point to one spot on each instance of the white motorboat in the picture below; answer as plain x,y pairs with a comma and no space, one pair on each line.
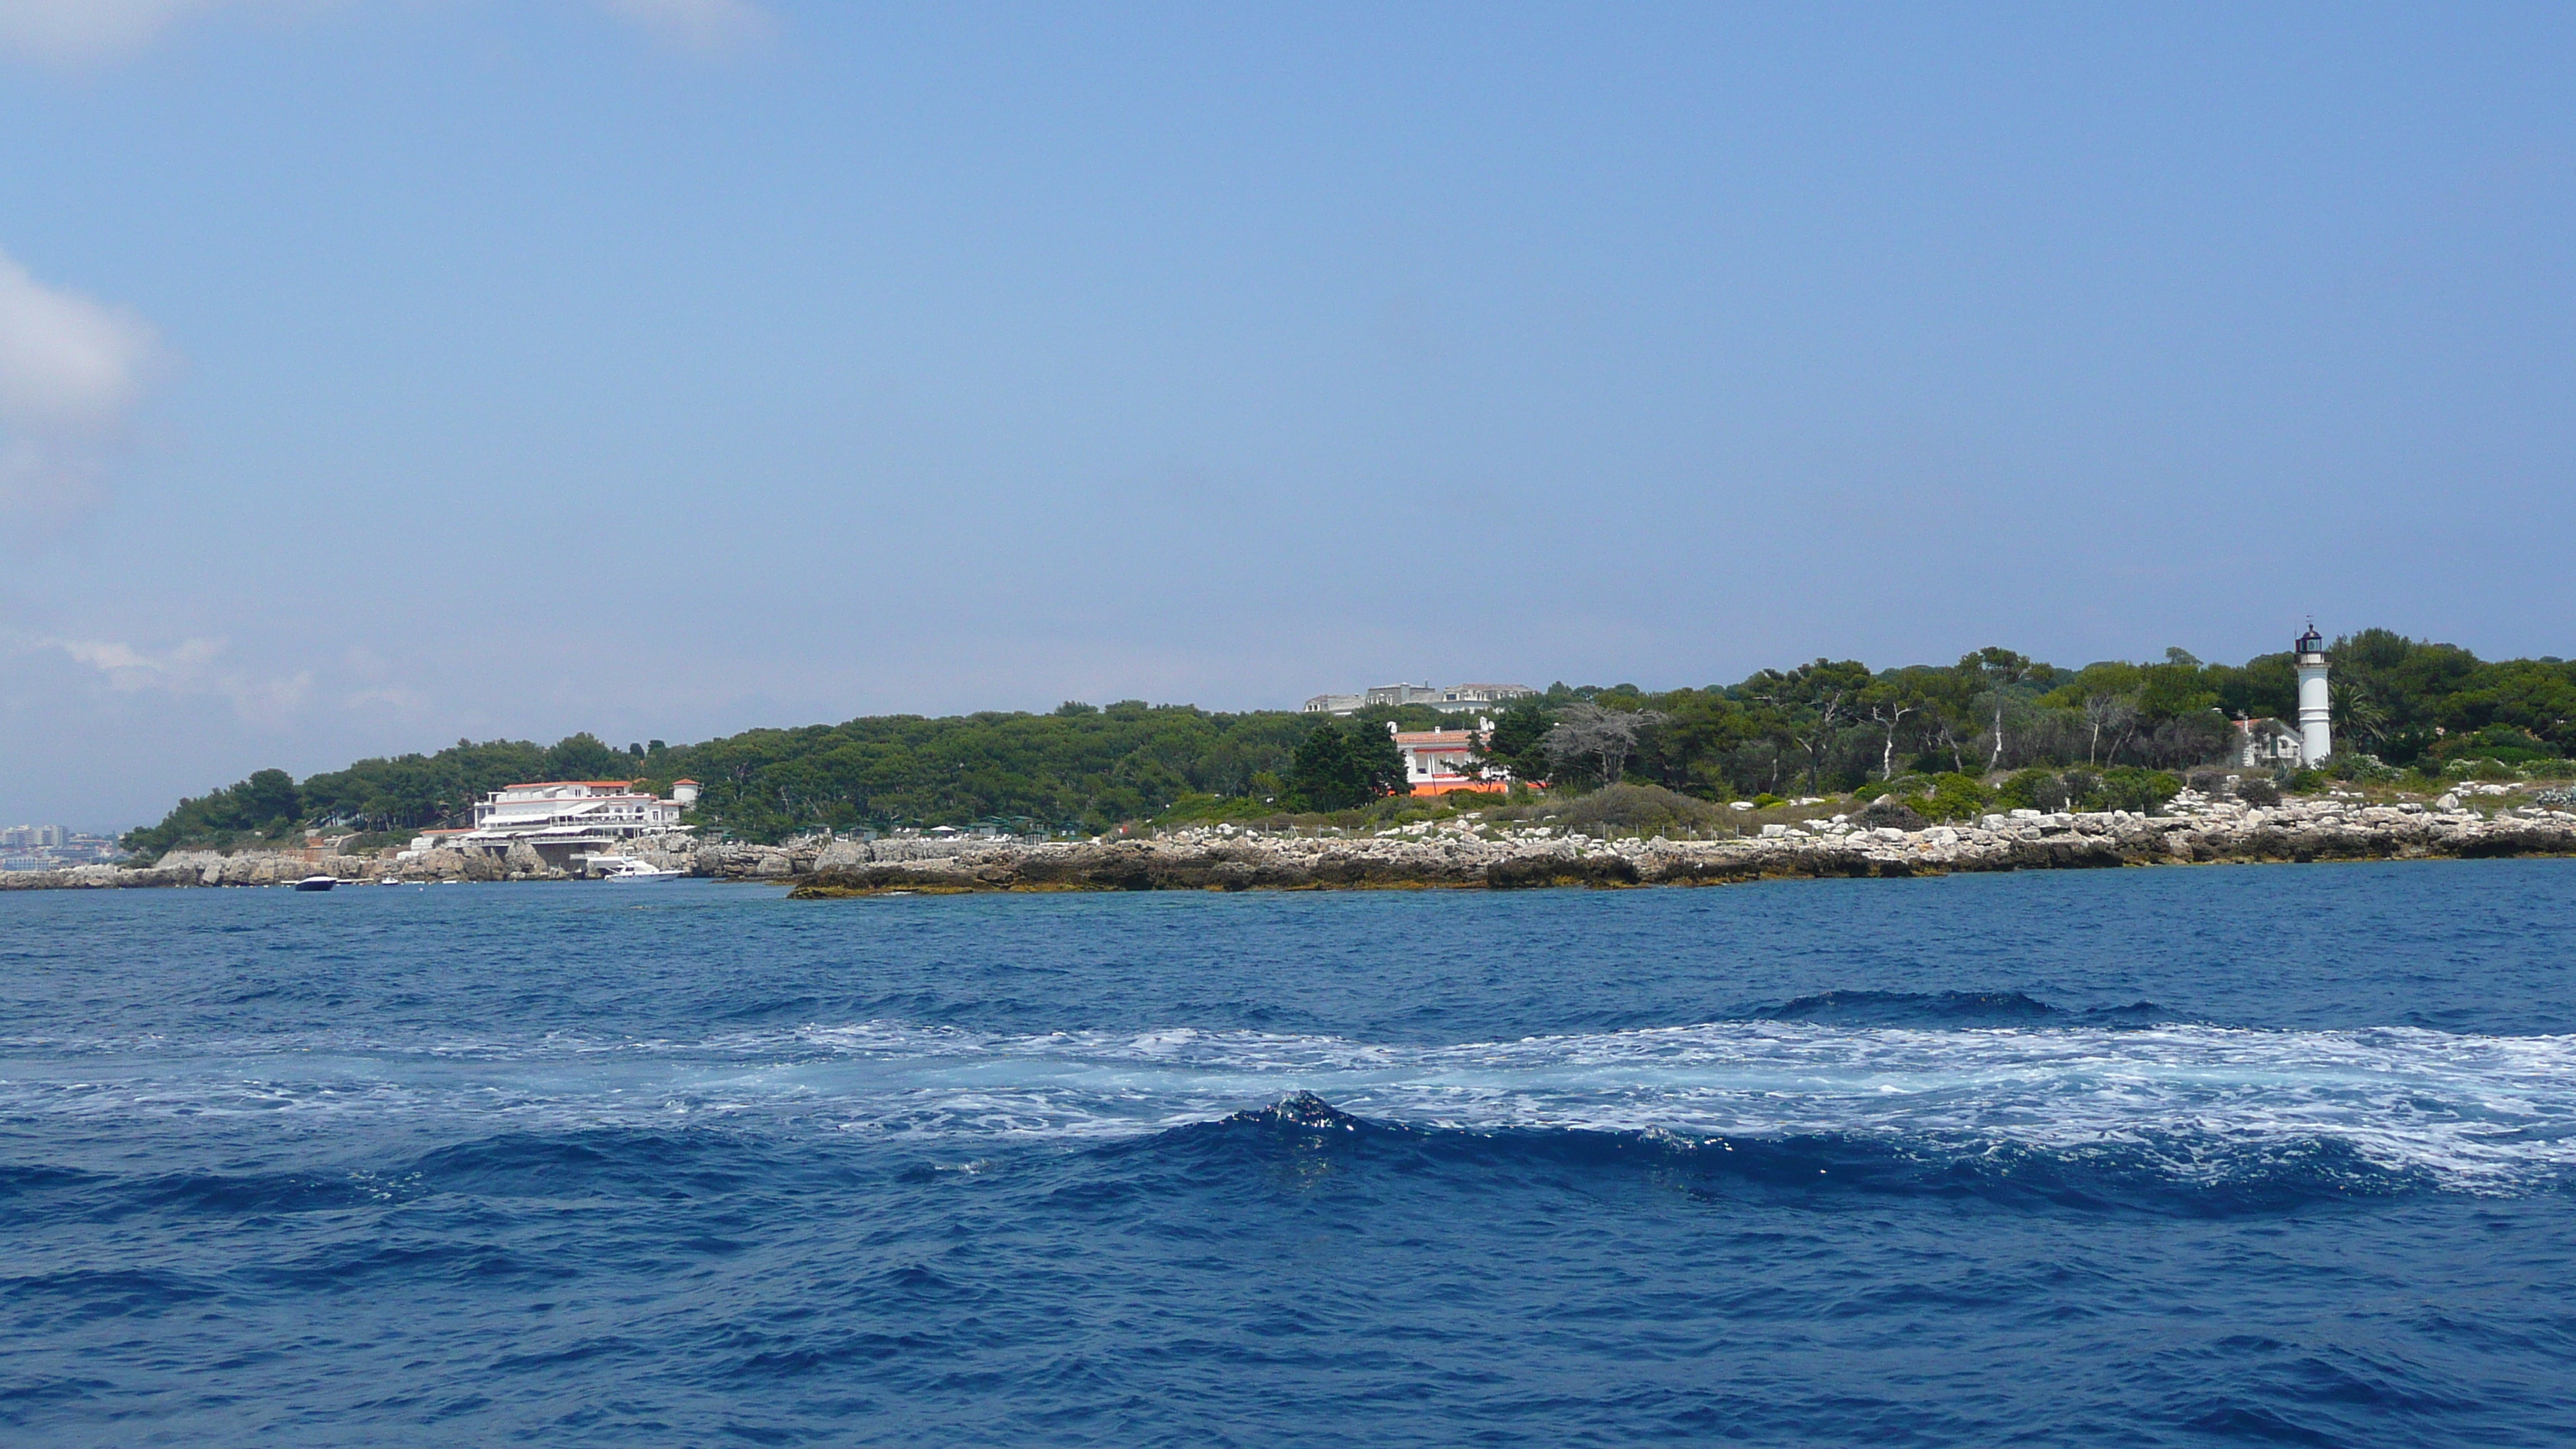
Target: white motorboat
619,867
317,882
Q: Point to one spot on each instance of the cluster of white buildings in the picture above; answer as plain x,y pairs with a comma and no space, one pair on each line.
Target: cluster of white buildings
564,818
1453,699
40,847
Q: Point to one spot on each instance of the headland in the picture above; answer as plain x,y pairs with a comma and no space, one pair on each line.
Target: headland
1470,852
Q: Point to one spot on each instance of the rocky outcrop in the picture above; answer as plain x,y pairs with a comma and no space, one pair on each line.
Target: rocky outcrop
1460,854
192,868
1465,853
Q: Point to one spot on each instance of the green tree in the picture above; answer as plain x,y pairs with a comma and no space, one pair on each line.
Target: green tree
1899,704
2536,698
584,757
266,798
1995,679
1696,748
1811,705
1516,745
1337,769
1954,797
2127,787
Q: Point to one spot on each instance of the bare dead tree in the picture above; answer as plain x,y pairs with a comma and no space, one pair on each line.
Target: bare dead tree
2114,712
1887,715
1587,732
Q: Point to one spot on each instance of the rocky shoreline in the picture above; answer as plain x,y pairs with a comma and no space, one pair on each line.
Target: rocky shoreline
1464,853
2195,832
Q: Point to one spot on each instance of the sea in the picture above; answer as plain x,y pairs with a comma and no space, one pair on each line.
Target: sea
2217,1155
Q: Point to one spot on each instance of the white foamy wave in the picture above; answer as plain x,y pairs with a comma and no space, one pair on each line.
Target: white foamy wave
2474,1112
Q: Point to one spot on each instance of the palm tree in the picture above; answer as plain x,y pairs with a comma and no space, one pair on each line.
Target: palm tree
2358,712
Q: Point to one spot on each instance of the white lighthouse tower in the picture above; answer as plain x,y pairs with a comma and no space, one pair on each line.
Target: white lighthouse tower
2316,723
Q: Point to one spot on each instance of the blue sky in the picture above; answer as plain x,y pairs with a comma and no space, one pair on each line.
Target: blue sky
380,372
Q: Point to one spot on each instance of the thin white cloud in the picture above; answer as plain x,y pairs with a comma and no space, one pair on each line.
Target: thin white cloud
129,669
71,370
193,667
67,364
69,32
81,32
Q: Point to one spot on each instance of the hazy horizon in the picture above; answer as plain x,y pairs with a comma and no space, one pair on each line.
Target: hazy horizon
374,375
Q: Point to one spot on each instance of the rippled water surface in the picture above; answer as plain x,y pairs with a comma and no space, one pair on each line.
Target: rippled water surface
2271,1155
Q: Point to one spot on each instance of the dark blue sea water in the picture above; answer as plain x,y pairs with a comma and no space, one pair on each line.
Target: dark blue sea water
2278,1155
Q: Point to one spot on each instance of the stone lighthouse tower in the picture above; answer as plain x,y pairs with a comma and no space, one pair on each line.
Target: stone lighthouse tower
2316,725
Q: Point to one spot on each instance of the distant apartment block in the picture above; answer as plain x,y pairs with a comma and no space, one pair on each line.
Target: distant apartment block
42,847
1455,698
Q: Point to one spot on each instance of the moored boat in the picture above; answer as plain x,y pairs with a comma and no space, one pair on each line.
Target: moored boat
627,869
317,883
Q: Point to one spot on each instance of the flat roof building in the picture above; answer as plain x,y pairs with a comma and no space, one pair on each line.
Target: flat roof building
1449,699
559,817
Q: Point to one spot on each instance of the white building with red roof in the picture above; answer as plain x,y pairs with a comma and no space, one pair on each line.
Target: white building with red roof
1436,761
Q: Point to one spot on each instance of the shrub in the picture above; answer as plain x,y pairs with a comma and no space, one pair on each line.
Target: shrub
2032,789
1766,800
2303,782
1889,810
2015,792
2258,791
2495,742
2365,768
1647,809
2127,787
2083,790
1201,809
1953,797
2208,780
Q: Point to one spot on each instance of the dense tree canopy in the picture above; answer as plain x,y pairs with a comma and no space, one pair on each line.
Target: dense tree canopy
1336,768
1827,724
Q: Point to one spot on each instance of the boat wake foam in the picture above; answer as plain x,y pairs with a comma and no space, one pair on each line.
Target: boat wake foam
2461,1112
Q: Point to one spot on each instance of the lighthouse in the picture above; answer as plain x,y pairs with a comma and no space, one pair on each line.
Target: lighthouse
2316,724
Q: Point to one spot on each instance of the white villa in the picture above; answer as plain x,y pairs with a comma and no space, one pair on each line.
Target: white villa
560,817
1453,699
1435,761
2263,744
